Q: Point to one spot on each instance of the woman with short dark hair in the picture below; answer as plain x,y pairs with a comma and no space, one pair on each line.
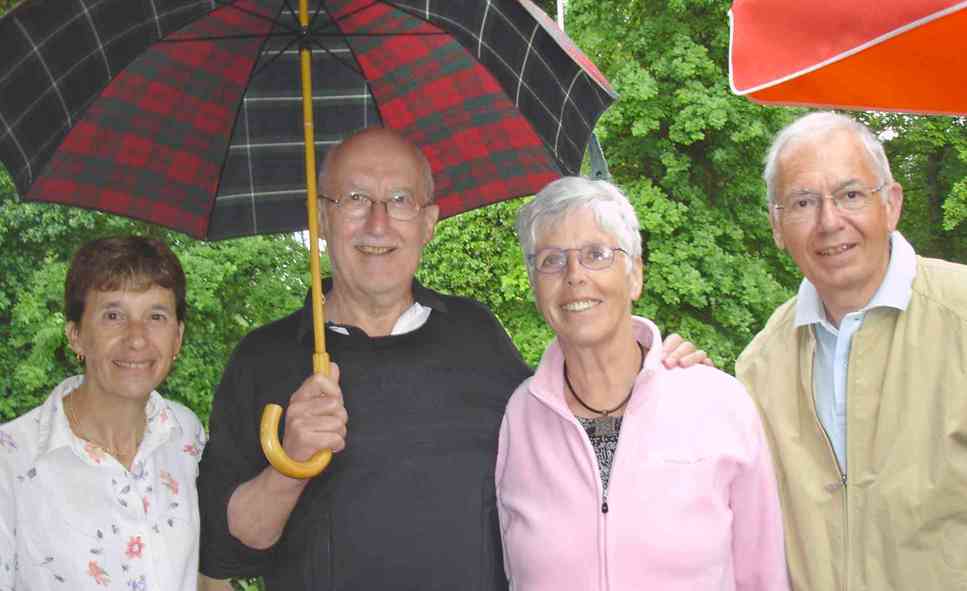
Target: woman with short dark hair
98,483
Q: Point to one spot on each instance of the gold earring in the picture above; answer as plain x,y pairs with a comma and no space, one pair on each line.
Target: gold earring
80,357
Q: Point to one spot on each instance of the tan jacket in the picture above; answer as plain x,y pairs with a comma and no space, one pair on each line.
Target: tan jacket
900,523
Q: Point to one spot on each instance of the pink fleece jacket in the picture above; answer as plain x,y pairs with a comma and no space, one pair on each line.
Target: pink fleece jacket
692,501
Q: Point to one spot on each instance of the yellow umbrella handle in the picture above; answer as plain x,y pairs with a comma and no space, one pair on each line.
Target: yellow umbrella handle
272,448
269,427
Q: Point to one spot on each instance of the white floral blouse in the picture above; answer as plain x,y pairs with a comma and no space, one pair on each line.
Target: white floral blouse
72,518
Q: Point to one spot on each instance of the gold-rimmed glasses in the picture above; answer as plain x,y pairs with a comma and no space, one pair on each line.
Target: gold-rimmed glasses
804,205
401,205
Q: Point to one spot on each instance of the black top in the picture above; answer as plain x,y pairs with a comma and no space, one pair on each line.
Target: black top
410,502
605,442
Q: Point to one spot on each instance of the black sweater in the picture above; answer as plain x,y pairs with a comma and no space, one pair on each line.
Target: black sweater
410,502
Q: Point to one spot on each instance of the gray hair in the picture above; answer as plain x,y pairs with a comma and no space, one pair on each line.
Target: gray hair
612,211
425,169
814,124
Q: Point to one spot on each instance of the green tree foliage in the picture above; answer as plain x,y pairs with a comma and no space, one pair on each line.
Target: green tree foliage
689,155
233,286
476,254
680,146
686,151
929,158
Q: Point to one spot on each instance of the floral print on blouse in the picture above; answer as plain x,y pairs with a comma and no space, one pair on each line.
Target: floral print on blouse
75,519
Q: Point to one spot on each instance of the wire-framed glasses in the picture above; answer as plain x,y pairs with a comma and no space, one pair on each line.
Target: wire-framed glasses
804,205
592,256
401,205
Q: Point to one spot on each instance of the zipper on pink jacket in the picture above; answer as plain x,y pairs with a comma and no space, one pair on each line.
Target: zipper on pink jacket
603,575
606,573
604,528
603,519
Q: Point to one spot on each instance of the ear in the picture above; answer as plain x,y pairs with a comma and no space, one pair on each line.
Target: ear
776,228
73,334
637,278
181,335
431,214
894,205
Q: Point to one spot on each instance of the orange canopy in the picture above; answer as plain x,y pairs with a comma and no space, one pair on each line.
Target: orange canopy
884,55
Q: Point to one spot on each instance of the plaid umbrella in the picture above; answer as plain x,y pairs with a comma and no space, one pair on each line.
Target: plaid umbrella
885,55
187,113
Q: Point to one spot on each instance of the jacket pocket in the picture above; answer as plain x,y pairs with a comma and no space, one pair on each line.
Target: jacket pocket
954,543
680,496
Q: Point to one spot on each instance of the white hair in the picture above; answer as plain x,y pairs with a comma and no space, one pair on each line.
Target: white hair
612,212
815,124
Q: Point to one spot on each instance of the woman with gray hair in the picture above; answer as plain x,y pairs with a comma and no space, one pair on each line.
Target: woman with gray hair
614,471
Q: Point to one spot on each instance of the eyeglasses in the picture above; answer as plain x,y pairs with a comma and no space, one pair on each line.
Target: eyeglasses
803,206
595,257
400,206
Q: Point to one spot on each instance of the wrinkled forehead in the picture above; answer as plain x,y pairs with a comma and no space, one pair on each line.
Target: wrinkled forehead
824,160
377,163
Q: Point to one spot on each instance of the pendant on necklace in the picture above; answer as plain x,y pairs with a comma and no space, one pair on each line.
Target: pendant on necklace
604,426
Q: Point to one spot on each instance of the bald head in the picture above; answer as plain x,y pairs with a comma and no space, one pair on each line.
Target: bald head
374,250
378,140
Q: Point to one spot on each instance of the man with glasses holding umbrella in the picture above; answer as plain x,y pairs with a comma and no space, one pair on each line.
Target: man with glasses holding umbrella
420,388
861,378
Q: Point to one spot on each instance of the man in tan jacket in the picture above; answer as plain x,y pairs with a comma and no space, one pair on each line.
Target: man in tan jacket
862,377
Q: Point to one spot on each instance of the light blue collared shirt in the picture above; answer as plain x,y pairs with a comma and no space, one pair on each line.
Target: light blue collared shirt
831,363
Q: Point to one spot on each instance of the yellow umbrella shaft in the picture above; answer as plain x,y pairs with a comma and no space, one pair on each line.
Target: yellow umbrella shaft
269,431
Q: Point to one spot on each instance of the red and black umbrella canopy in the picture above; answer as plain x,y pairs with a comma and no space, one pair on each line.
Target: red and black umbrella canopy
187,113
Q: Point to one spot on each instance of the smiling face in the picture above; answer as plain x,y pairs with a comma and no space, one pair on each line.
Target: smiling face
129,339
375,256
843,254
586,308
